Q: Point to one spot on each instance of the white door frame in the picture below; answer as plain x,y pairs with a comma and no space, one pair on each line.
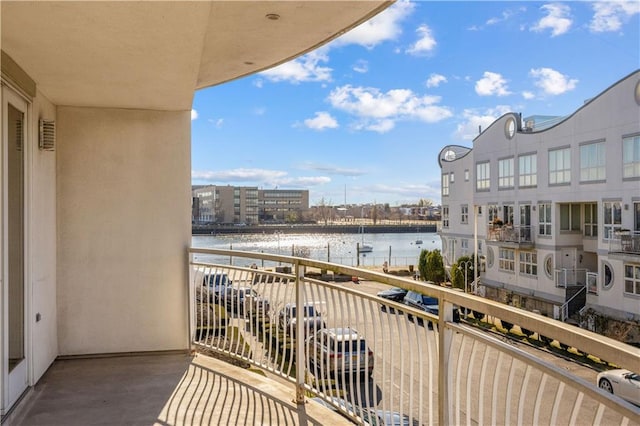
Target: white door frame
13,384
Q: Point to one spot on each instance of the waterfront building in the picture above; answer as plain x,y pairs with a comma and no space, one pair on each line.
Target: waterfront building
555,208
247,204
96,108
282,204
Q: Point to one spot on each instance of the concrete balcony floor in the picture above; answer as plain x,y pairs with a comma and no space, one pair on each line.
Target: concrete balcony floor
167,389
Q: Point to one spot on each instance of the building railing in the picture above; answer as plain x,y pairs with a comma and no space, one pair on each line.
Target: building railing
570,277
625,242
425,366
512,234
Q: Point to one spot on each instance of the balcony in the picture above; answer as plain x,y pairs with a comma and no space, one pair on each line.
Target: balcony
421,365
625,242
518,236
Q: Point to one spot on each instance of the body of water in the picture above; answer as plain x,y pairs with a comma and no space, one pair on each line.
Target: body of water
399,249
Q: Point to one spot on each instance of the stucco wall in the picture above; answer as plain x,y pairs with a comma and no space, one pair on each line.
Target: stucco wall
123,229
42,218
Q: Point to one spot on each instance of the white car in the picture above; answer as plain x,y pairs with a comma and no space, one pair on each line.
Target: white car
623,383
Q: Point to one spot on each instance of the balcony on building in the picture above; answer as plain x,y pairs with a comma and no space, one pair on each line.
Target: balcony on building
514,236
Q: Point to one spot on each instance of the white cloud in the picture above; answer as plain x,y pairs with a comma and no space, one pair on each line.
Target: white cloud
435,80
304,69
551,81
528,95
238,175
322,120
475,120
425,44
557,19
361,66
379,111
332,170
259,110
194,114
609,16
383,27
259,177
492,84
303,181
258,82
217,122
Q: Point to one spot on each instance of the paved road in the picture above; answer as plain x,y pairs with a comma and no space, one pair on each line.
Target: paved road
406,364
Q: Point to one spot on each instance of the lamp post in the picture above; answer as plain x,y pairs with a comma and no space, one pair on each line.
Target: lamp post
468,264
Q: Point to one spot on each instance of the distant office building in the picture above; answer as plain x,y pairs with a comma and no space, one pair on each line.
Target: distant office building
279,205
555,209
247,205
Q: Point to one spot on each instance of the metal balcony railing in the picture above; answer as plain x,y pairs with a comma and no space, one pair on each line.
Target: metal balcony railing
625,242
511,234
371,357
570,277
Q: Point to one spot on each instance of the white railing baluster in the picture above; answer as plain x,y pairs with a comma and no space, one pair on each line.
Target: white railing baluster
300,332
418,372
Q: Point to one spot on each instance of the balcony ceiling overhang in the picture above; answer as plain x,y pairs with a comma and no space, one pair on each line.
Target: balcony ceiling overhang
154,55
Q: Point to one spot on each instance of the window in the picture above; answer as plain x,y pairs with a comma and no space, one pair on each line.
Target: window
612,218
592,162
525,215
493,212
505,173
559,166
544,219
466,175
445,216
464,244
452,178
483,177
507,214
528,263
506,260
636,217
591,220
631,157
607,272
632,279
464,214
445,184
527,170
569,217
548,266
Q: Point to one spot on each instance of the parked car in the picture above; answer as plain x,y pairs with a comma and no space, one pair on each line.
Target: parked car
375,417
313,321
217,283
244,300
623,383
428,304
370,416
340,350
395,294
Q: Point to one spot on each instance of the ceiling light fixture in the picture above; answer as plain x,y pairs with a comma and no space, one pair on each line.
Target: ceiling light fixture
272,16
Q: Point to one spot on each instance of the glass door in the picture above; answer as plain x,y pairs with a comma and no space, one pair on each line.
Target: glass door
12,178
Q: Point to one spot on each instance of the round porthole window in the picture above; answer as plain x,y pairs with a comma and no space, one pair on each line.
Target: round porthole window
607,275
489,257
510,127
548,266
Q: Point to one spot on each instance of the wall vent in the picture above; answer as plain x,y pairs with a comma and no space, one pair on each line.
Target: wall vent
47,140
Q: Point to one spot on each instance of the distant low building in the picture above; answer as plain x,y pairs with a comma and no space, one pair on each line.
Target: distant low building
282,205
212,204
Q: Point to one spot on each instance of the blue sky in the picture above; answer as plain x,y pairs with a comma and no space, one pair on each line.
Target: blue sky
370,111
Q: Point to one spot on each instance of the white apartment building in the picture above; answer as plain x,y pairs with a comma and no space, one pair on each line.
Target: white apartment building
555,209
